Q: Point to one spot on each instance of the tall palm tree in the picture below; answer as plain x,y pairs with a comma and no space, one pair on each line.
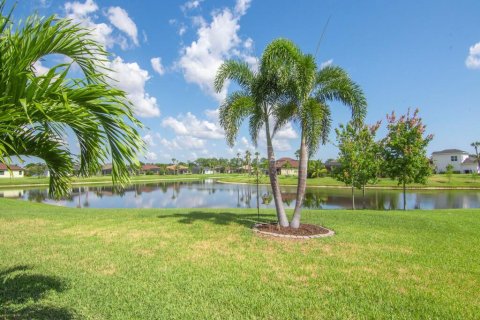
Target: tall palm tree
309,93
37,112
256,100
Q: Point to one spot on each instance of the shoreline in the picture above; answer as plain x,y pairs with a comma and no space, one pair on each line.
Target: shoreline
109,182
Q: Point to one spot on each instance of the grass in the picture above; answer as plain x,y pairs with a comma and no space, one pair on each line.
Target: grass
435,181
9,182
61,263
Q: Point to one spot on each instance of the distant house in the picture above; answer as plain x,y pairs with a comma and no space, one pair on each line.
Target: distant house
208,171
460,160
107,169
177,169
287,167
15,171
331,165
150,169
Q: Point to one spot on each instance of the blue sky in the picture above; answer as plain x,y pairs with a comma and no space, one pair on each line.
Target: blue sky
404,54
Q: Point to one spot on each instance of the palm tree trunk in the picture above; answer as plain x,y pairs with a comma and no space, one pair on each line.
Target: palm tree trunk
302,183
272,171
404,197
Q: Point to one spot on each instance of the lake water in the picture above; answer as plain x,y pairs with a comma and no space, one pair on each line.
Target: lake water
210,194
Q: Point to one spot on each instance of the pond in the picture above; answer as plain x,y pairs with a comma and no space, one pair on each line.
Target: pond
211,194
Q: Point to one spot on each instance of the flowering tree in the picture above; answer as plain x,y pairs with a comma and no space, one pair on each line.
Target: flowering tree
404,151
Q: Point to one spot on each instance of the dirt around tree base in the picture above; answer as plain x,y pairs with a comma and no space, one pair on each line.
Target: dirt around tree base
305,231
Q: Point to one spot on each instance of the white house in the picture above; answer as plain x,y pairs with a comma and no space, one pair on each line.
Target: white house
460,160
15,171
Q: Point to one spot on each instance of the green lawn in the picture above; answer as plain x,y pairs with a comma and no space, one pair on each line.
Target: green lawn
60,263
105,179
435,181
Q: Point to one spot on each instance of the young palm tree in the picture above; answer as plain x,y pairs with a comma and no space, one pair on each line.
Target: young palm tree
38,111
309,93
255,101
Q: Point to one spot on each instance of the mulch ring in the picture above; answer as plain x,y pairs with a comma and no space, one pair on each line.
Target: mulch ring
305,231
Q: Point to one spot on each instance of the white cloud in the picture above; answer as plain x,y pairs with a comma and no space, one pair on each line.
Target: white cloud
287,132
241,6
473,59
192,4
39,69
182,30
80,13
216,42
157,65
132,79
190,125
120,19
151,156
326,63
85,15
281,145
212,114
149,140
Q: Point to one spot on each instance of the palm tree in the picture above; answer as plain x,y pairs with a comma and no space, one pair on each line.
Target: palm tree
37,111
248,156
476,144
239,162
174,162
255,101
307,103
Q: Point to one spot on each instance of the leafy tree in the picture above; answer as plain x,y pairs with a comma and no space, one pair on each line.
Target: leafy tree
449,172
316,169
256,101
358,155
36,169
308,94
404,150
37,111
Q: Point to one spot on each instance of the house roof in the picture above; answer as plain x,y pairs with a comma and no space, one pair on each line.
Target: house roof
470,160
107,166
450,151
281,162
12,167
147,167
176,167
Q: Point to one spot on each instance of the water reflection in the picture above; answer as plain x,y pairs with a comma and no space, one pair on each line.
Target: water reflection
209,194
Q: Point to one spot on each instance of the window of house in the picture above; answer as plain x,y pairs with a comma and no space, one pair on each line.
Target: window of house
2,172
20,172
453,158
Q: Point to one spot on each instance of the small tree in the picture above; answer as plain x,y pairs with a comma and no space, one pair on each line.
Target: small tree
404,151
358,156
449,172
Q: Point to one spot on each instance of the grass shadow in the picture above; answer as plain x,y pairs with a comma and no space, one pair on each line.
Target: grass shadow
21,292
220,218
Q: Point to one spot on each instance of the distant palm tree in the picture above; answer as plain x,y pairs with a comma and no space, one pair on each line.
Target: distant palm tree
476,144
309,94
256,100
239,162
248,156
38,111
